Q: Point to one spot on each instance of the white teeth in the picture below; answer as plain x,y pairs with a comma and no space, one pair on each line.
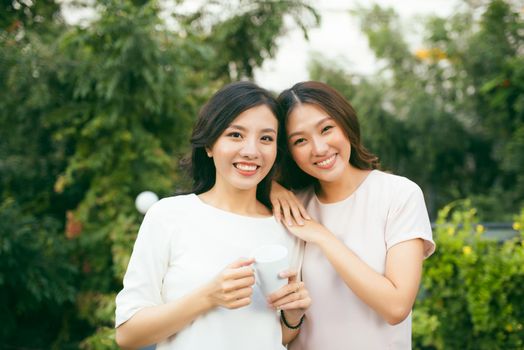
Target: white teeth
246,167
327,161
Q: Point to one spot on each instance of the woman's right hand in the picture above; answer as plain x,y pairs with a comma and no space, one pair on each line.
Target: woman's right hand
286,205
233,287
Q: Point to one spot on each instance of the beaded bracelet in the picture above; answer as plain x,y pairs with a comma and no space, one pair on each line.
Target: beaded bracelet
283,318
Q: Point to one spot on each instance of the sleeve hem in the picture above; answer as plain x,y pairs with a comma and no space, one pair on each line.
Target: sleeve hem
429,244
123,317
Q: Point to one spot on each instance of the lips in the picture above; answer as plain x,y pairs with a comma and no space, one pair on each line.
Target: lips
246,168
327,163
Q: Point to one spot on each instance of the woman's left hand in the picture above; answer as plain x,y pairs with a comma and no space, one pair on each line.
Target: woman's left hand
310,232
293,298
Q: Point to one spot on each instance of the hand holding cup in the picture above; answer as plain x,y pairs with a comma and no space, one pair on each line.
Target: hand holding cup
233,287
293,298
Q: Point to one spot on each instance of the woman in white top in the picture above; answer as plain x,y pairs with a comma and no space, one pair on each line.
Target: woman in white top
190,283
367,231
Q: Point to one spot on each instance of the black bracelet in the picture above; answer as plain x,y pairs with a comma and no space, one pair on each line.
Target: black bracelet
283,318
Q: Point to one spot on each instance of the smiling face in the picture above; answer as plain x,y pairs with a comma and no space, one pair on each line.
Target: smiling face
246,151
317,143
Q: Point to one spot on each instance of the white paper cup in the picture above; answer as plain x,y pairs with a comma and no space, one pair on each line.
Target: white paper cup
270,260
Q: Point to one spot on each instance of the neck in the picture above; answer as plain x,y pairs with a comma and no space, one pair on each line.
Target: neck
343,187
242,202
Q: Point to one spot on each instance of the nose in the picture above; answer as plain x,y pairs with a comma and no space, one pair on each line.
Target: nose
250,148
319,147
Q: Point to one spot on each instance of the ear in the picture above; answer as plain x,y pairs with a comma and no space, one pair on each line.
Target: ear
209,152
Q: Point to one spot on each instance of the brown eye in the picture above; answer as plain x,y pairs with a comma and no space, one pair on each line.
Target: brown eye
299,141
267,138
235,135
326,128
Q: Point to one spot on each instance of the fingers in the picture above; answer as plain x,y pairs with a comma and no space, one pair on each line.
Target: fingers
241,263
240,303
293,211
299,299
239,273
303,211
297,215
290,288
287,206
303,303
290,274
238,298
231,285
238,294
288,299
276,210
286,211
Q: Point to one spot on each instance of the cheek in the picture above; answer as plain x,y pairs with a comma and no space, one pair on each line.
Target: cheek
271,154
299,154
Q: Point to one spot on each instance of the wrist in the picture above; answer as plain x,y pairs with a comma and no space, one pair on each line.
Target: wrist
322,238
293,316
207,300
290,323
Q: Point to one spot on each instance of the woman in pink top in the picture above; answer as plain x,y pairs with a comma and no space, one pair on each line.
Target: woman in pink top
367,232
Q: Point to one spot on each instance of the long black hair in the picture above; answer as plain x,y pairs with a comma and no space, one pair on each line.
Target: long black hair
214,117
338,108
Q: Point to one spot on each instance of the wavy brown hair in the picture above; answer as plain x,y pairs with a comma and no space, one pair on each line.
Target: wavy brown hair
338,108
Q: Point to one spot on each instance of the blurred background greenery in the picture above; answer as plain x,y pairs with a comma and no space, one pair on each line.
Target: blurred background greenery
92,114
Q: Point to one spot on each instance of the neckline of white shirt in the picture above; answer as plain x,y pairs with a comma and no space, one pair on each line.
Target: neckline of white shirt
363,184
223,211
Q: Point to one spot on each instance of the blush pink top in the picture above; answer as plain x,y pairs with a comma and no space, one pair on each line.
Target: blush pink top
384,210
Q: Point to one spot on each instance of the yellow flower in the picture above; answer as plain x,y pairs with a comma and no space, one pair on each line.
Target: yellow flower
451,231
422,54
466,250
517,226
509,327
434,54
480,229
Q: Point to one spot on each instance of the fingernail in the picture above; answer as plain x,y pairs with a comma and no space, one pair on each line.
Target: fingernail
301,223
289,223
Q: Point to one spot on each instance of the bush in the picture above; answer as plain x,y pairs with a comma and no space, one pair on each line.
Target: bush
471,295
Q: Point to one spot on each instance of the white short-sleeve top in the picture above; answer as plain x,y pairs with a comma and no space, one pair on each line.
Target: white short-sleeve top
184,243
383,211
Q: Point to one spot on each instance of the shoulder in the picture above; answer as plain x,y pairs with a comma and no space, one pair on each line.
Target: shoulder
395,184
172,205
395,192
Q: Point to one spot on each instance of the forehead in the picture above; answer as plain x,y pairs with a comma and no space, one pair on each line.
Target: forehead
306,115
259,117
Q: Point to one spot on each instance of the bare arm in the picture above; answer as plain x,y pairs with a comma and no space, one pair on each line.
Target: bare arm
391,295
231,289
154,324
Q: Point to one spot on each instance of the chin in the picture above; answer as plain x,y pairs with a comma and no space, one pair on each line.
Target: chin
245,186
329,177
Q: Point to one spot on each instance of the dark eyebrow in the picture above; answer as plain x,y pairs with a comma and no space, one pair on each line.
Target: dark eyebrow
241,128
317,124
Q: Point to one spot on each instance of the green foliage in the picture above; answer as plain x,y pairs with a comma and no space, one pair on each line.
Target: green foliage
37,275
449,115
247,38
90,116
471,295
